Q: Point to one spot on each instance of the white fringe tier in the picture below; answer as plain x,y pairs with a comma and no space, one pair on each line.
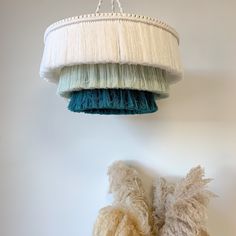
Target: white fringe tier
111,38
113,76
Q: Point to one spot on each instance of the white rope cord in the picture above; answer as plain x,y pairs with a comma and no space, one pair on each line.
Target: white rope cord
112,6
99,6
119,4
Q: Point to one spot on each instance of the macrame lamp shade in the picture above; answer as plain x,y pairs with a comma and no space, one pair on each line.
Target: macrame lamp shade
111,63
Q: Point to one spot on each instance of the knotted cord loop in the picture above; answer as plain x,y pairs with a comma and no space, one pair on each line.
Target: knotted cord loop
112,6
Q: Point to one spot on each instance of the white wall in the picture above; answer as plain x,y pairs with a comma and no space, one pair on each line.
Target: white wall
53,163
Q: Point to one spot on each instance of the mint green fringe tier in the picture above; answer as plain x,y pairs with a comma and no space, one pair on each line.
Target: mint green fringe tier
113,76
113,102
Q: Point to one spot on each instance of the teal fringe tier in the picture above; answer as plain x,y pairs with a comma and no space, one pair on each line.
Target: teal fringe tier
113,102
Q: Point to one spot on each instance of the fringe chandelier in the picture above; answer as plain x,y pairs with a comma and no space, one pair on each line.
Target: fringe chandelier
111,63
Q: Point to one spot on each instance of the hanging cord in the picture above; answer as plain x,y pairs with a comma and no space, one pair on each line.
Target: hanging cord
99,6
112,6
120,7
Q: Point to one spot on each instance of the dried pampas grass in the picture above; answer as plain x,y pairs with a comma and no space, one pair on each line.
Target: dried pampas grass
130,214
180,209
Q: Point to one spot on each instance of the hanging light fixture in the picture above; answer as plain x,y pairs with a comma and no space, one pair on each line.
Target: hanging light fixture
111,63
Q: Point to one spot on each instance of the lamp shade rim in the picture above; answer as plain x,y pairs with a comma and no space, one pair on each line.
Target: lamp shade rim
111,17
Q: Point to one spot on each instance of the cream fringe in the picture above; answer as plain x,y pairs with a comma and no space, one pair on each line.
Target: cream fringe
110,40
130,214
112,76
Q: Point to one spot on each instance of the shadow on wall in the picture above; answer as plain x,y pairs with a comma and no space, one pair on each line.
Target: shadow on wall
200,96
222,211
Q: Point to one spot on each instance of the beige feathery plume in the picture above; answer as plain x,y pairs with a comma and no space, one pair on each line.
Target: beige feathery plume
130,214
180,209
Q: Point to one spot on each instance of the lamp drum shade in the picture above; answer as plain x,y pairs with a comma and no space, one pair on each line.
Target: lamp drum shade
111,63
110,38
